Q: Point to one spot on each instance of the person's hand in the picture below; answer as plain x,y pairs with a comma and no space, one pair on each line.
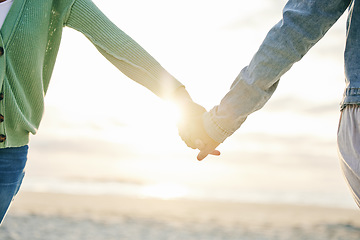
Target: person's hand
201,139
189,123
192,131
207,146
191,127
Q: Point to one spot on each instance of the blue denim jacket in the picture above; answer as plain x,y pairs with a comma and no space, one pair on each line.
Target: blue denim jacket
303,24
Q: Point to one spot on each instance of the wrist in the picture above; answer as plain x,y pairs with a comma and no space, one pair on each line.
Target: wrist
213,130
181,96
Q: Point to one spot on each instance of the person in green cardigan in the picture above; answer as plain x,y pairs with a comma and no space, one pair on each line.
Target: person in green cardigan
29,42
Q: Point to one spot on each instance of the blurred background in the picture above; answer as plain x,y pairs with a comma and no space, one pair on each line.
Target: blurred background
102,133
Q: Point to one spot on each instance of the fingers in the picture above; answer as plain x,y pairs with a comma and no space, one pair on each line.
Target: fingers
216,153
186,136
205,150
199,144
204,153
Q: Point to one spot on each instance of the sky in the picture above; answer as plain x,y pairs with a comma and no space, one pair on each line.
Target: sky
99,124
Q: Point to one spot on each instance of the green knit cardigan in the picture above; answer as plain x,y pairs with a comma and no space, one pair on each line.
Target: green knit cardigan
29,43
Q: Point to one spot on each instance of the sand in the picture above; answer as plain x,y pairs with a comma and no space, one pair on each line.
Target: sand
47,216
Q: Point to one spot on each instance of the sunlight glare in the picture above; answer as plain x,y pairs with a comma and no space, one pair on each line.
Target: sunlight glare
173,111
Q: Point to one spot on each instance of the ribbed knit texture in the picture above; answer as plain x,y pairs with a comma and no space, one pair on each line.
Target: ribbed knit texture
31,37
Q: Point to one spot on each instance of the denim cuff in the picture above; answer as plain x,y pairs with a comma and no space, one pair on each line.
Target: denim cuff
214,129
351,97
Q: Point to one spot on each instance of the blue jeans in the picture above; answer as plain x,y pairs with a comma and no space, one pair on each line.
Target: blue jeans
12,165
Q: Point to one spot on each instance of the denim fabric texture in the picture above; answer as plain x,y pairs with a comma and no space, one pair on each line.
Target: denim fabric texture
303,24
352,56
12,165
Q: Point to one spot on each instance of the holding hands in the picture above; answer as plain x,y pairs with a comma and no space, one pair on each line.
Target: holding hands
191,127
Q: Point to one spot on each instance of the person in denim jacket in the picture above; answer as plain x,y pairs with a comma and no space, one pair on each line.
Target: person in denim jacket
303,24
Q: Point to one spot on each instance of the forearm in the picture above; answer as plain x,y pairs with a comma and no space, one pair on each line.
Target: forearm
304,23
120,49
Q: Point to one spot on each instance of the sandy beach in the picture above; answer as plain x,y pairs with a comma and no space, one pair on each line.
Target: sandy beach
47,216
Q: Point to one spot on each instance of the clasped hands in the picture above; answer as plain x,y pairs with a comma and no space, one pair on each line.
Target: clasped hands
192,131
191,127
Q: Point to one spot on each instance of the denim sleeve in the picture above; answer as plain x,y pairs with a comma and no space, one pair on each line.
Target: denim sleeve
303,24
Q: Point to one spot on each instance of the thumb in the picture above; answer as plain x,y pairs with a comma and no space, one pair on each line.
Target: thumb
205,151
202,155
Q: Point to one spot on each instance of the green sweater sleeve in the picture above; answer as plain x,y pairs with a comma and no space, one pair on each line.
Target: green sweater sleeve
120,49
